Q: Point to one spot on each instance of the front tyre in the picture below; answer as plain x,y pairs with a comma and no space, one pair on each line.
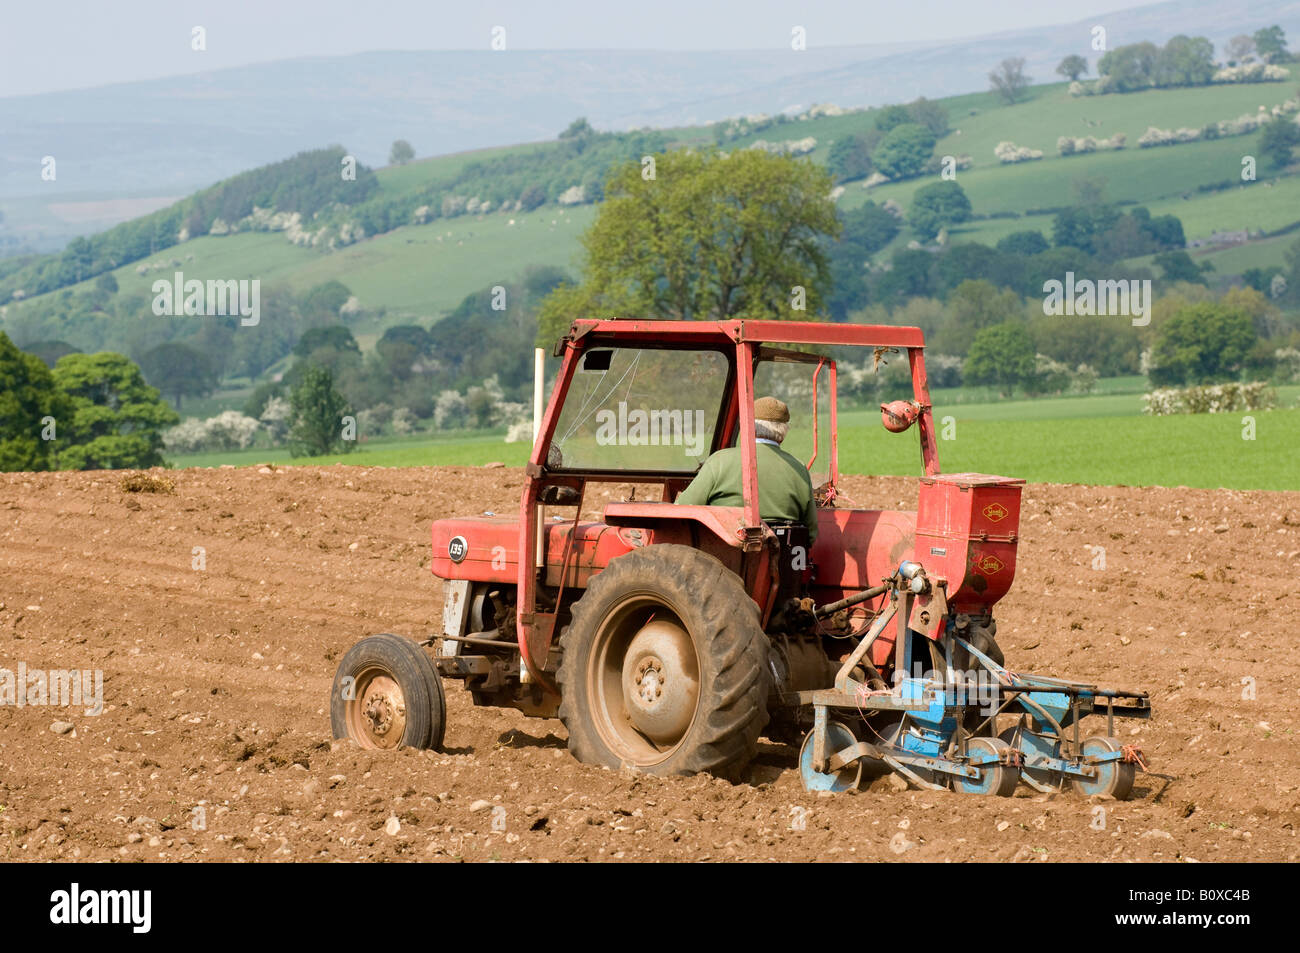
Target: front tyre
387,694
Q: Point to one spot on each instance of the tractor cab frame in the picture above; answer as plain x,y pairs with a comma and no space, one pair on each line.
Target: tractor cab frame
744,344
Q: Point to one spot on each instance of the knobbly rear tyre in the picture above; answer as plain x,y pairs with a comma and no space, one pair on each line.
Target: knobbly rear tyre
664,666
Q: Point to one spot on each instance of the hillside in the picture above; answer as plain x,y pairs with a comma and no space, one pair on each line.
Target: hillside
420,271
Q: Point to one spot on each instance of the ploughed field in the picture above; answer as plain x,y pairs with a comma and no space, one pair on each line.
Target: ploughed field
216,682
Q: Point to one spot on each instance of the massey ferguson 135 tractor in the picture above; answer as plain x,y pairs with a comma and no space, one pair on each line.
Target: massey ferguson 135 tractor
670,637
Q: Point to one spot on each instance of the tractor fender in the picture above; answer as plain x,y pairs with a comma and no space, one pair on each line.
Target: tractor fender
726,523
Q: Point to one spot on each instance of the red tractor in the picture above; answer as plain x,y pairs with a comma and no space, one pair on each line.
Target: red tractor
670,637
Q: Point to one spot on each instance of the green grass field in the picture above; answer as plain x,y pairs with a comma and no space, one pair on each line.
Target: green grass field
1235,259
414,271
1100,439
1194,450
1155,178
1054,112
468,450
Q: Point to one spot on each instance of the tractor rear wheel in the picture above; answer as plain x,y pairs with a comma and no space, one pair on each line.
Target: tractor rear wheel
664,666
387,694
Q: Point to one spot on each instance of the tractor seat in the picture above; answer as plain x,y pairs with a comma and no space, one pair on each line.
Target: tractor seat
789,532
794,561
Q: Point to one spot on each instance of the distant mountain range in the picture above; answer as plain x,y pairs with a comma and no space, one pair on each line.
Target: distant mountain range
168,137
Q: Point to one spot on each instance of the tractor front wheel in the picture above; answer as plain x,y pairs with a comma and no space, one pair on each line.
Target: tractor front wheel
387,694
664,666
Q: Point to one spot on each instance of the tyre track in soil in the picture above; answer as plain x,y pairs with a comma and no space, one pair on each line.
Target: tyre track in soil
216,686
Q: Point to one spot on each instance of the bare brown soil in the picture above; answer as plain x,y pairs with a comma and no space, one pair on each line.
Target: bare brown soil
216,685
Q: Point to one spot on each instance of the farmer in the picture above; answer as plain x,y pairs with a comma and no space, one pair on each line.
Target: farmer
784,489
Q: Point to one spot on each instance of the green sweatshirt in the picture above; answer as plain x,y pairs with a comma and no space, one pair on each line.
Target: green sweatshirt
784,489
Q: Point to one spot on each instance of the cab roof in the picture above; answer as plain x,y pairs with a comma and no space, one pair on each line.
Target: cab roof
756,332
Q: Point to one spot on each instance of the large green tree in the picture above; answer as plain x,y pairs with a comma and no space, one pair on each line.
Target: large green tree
1002,355
1270,43
333,337
1202,343
401,346
938,205
316,424
322,304
1178,266
117,419
1072,67
869,226
1009,80
933,116
1080,226
1130,67
1277,140
1029,242
332,347
706,237
1185,61
891,117
849,159
904,151
32,409
178,370
401,153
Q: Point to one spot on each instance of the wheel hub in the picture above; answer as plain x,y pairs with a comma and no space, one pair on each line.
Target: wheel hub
661,681
382,711
379,713
649,679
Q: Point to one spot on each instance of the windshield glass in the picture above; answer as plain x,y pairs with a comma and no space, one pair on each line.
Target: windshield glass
640,409
806,391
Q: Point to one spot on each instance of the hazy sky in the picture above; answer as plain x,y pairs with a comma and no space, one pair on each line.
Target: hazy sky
49,45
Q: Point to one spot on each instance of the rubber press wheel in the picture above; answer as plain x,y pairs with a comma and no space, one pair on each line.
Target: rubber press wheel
665,666
1114,778
996,777
838,737
387,694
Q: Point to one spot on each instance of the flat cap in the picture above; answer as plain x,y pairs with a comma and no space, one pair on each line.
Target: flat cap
769,408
